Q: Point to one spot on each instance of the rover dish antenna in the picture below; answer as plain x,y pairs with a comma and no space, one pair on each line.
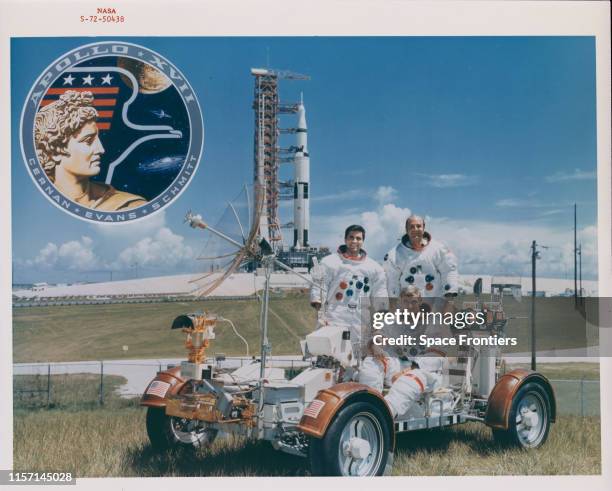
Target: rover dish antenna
232,246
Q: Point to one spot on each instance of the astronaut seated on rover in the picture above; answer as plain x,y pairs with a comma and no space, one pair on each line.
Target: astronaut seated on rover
407,371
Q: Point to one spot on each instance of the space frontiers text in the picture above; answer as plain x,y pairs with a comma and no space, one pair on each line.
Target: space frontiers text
422,320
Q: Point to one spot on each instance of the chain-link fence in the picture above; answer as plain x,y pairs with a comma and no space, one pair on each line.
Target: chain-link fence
577,397
116,383
78,385
103,383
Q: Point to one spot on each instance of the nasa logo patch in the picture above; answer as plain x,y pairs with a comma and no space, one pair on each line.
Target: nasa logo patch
111,132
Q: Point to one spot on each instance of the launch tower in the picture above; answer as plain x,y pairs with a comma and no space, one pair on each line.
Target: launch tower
268,157
267,154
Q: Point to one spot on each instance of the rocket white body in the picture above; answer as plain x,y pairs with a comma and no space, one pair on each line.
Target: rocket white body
301,192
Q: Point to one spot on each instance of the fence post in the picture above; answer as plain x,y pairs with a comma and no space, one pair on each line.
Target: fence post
582,397
101,383
48,384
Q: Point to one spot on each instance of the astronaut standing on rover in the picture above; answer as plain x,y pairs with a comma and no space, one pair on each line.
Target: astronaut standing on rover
349,282
423,262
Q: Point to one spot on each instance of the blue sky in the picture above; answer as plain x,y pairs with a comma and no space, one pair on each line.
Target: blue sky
492,138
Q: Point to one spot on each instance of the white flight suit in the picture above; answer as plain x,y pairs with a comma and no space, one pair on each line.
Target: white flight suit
407,387
378,373
346,286
433,269
406,383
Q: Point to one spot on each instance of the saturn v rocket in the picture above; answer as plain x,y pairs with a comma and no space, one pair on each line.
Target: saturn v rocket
301,182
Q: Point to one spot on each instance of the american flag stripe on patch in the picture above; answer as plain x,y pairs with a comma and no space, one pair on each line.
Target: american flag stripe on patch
105,94
158,388
314,408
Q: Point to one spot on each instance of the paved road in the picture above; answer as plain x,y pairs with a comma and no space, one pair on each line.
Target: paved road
569,355
137,372
140,372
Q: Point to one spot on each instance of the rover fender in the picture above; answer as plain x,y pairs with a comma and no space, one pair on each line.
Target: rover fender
165,383
500,400
324,407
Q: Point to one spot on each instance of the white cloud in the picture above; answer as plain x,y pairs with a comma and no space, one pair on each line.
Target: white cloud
384,226
554,207
340,196
511,203
382,195
74,255
449,180
128,231
385,194
576,175
482,247
552,212
328,230
504,248
523,203
163,250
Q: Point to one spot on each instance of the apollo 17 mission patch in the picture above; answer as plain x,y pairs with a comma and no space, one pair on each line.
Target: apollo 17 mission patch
111,132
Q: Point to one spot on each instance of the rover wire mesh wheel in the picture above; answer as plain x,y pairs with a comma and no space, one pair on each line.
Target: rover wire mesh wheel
357,443
529,418
166,432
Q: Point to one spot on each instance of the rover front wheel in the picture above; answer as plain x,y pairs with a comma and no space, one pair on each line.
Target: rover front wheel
166,432
357,443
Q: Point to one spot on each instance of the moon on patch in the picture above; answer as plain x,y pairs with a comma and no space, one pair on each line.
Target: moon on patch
150,79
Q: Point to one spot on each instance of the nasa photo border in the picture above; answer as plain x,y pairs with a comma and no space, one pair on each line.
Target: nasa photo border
319,18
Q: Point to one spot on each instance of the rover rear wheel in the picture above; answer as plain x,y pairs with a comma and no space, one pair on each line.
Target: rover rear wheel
166,432
529,418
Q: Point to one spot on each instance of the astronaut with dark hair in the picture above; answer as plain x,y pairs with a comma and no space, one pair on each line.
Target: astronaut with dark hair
350,282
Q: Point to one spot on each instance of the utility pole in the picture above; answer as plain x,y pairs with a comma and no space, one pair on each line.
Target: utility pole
580,270
575,259
535,255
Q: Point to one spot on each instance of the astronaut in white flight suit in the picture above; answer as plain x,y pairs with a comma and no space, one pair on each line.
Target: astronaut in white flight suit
350,280
407,374
423,262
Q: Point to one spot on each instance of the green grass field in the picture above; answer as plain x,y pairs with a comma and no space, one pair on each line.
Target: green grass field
72,392
94,332
111,443
79,436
